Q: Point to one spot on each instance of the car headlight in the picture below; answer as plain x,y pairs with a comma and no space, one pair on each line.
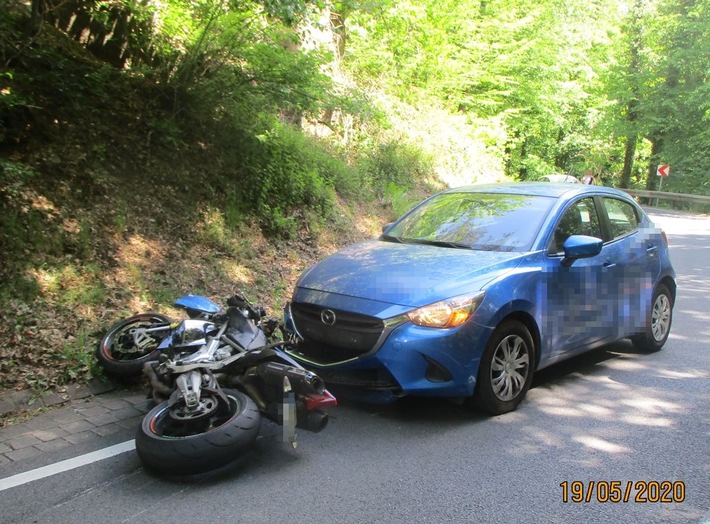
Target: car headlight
448,313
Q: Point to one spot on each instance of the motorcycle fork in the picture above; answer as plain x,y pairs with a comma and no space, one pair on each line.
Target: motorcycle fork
190,386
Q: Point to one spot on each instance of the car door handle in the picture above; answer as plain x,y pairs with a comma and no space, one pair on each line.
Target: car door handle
652,249
609,263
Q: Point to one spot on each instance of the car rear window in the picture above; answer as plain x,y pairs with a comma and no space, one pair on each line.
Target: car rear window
482,221
622,217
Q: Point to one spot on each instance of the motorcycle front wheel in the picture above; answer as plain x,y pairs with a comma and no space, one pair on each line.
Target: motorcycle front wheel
122,354
171,443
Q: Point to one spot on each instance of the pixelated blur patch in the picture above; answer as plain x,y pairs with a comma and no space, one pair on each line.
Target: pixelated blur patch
289,417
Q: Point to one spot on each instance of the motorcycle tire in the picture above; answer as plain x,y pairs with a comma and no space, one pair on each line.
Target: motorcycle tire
118,355
168,447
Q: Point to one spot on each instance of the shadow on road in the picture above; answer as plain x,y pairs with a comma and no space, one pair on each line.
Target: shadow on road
428,410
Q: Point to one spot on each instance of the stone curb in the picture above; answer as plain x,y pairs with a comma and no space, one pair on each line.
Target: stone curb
12,401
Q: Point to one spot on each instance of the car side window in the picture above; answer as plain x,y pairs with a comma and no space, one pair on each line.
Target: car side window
622,217
580,218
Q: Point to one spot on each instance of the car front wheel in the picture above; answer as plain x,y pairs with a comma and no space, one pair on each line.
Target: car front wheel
506,369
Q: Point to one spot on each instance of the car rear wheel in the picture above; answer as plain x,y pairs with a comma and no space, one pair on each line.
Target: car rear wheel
506,369
659,323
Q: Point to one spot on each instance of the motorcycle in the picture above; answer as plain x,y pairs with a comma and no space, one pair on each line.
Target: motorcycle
212,376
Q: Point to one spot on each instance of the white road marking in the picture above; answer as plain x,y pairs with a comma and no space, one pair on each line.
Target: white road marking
66,465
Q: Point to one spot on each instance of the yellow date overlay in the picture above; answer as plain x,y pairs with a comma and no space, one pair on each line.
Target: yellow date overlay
640,491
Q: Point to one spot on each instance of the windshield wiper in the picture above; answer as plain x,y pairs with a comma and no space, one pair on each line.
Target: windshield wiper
390,238
440,243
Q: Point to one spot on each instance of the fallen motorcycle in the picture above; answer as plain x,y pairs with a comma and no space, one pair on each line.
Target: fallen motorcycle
213,376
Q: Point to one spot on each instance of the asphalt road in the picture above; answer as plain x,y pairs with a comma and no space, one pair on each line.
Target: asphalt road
614,415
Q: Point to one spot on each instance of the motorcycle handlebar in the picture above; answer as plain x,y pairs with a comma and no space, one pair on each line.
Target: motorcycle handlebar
256,313
237,301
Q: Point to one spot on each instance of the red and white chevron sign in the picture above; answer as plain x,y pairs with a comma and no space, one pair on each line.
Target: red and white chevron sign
663,170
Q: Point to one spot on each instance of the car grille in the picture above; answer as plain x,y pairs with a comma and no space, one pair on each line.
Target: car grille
361,378
350,336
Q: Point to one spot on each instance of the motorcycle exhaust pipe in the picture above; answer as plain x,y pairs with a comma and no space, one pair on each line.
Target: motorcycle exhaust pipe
159,390
302,381
314,421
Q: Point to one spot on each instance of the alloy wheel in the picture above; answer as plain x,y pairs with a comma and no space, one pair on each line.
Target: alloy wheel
510,367
661,317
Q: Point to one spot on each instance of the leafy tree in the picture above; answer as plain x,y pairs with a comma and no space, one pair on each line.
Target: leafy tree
679,106
555,85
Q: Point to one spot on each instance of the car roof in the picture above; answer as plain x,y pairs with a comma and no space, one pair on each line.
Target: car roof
548,189
560,178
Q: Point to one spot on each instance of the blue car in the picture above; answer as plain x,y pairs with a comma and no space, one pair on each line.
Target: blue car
477,287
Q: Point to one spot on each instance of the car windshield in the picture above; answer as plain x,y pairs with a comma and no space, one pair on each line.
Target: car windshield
481,221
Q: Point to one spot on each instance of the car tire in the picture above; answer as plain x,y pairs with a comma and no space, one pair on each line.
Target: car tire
659,322
506,369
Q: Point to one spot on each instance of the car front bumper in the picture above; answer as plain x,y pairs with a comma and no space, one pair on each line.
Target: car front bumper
408,360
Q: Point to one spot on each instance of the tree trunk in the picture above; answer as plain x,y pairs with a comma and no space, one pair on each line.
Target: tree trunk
38,9
632,104
653,162
337,24
629,154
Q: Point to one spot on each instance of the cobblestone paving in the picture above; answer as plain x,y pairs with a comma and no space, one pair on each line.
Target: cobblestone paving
73,421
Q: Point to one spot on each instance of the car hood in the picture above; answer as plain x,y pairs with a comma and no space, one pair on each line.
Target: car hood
410,275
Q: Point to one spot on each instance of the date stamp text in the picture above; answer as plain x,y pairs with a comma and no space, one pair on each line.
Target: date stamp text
640,491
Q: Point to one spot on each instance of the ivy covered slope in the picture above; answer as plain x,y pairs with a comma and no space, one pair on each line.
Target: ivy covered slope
119,193
151,148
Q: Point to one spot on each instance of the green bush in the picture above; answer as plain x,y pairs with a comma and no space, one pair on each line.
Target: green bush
395,162
400,199
288,175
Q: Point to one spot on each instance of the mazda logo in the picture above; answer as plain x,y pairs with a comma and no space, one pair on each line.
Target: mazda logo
327,316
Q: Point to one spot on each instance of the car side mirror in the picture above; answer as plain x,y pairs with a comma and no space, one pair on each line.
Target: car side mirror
387,226
580,246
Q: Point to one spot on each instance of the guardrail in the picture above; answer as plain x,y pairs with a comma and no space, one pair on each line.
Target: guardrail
677,197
